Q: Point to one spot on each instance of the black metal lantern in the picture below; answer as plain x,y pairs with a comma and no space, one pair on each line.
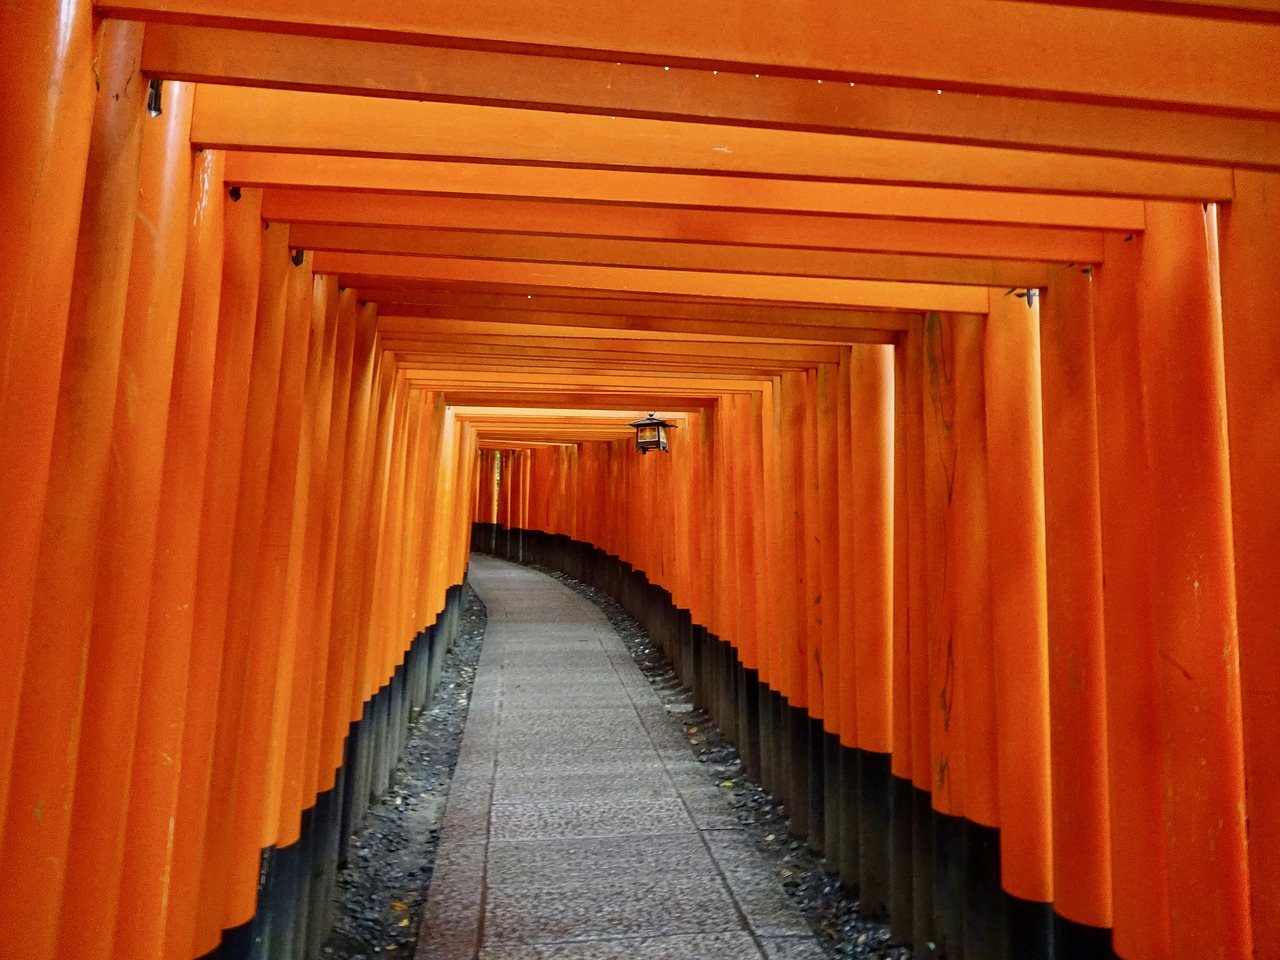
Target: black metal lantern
651,433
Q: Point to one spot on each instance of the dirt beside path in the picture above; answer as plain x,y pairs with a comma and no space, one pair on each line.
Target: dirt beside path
383,887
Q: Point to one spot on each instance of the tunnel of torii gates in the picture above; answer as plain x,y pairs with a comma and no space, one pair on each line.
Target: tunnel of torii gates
967,534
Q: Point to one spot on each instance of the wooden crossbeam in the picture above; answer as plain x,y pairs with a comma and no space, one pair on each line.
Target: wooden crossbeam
274,120
490,78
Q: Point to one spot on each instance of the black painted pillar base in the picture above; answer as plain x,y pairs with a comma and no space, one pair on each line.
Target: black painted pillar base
833,802
901,904
875,831
815,756
851,826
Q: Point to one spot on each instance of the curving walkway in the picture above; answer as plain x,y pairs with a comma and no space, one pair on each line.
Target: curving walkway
580,826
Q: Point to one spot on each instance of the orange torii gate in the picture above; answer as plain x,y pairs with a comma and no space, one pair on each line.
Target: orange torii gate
1010,557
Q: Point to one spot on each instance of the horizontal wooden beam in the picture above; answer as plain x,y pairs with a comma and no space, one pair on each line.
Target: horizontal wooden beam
982,46
538,306
873,294
573,370
1257,11
583,400
261,119
393,324
488,78
482,357
669,255
685,191
432,339
769,229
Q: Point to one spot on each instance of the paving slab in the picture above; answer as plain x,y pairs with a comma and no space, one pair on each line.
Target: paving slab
580,825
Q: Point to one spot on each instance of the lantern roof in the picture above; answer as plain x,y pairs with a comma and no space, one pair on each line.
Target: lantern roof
651,421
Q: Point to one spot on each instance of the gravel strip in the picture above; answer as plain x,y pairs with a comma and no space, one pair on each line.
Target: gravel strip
841,929
383,888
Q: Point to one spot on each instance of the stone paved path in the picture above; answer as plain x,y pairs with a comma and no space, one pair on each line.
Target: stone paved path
580,826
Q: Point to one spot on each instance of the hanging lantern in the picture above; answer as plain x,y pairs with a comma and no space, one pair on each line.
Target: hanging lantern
651,433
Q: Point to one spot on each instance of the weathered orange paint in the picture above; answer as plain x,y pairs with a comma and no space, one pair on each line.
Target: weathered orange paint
1193,583
959,45
968,560
870,623
903,745
243,118
50,705
944,703
757,228
769,259
363,174
1250,238
117,642
365,433
222,901
883,294
838,701
146,873
291,717
846,553
241,273
205,582
502,78
1077,652
47,98
335,638
814,607
1139,878
265,690
913,411
1015,490
794,651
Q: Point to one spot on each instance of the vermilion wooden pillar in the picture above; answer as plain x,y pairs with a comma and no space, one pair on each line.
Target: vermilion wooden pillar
789,577
352,384
760,610
946,722
1077,660
747,637
113,675
162,710
1140,893
917,548
254,826
721,570
920,926
37,821
846,557
292,716
369,679
241,270
968,545
772,668
1251,337
216,911
903,746
1193,583
1015,485
830,382
47,100
872,391
815,602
